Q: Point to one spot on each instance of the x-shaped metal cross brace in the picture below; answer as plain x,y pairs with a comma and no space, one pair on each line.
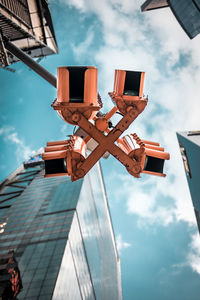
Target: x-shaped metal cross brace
106,143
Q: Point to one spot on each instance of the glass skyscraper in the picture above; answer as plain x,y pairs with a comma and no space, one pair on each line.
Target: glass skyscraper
187,13
189,143
61,235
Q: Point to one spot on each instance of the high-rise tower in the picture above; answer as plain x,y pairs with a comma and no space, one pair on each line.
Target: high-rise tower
61,234
189,143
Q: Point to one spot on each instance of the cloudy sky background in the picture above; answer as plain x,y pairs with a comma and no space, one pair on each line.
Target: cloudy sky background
153,217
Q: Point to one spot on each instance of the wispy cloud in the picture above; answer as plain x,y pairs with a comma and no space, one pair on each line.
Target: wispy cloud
194,254
155,200
121,244
9,135
193,257
83,49
64,128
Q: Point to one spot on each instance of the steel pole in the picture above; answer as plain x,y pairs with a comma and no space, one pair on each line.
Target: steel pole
30,62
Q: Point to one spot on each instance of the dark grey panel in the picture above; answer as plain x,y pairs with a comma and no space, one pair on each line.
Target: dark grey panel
197,3
197,213
187,14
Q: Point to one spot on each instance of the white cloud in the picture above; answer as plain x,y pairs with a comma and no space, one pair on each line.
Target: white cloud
121,245
193,258
81,50
146,207
156,200
64,128
6,129
22,151
194,254
79,4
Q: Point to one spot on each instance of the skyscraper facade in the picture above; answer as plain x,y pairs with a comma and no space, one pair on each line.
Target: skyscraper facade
61,235
187,13
189,143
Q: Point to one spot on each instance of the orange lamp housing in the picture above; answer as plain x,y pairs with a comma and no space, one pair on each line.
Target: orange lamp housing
128,90
150,155
62,157
77,92
129,83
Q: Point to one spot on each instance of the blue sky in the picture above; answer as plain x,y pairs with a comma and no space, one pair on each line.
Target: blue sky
153,217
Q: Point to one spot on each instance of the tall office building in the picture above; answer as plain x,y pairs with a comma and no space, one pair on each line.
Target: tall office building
56,237
187,13
189,143
28,25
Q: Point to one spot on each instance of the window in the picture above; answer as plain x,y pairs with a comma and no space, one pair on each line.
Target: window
185,161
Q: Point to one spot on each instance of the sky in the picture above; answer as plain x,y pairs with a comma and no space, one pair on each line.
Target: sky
153,217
